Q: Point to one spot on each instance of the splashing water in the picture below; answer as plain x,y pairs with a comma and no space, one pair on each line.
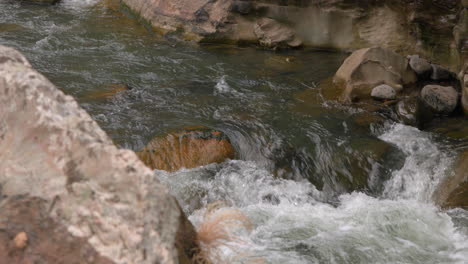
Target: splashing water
291,225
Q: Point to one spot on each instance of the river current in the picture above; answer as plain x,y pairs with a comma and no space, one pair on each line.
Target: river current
299,154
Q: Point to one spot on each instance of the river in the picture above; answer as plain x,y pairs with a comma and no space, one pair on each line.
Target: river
299,154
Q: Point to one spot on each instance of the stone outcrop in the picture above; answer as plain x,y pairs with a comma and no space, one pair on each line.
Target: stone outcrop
369,67
52,150
410,26
453,191
188,148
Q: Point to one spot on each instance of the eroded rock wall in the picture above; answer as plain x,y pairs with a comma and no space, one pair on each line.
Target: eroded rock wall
51,149
410,26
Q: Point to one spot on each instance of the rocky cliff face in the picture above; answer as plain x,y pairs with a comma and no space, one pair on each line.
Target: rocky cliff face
53,151
423,26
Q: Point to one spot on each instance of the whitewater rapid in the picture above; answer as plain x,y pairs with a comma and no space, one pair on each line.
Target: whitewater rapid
291,225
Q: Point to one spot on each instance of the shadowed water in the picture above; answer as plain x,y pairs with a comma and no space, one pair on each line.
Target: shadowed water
298,152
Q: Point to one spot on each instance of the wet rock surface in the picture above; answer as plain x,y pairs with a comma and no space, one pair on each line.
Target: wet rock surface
187,148
102,194
453,192
406,26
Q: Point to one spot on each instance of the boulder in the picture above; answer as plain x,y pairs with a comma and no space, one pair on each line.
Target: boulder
188,148
440,99
440,73
37,238
453,191
51,149
413,112
272,34
421,66
383,92
369,67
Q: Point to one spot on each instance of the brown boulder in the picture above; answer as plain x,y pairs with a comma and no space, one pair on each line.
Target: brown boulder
189,148
29,235
453,191
369,67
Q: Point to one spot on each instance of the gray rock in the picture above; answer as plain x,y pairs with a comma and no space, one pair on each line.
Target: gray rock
439,73
413,112
52,149
440,99
421,66
383,92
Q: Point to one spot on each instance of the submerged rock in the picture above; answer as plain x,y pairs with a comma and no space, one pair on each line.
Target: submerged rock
367,68
383,92
453,191
109,91
272,34
440,99
52,150
189,148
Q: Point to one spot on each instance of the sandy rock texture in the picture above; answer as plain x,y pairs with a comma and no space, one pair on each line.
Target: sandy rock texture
52,150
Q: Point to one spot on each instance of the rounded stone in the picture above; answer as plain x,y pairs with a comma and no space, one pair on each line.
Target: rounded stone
440,99
383,92
421,66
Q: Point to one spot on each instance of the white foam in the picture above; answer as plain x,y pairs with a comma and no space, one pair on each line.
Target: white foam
291,225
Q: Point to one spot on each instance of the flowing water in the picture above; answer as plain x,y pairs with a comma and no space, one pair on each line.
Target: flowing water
299,154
